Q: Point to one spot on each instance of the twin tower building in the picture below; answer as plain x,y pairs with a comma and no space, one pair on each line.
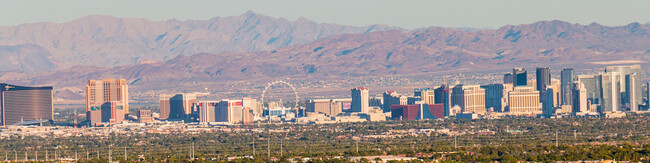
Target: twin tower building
107,101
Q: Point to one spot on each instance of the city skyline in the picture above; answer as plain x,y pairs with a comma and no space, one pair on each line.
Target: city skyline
325,81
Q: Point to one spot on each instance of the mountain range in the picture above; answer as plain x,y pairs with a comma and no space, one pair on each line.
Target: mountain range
106,41
279,48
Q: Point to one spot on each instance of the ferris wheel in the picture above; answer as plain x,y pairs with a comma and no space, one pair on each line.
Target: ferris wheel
280,82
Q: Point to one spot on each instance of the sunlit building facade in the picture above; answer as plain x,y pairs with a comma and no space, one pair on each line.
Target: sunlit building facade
21,103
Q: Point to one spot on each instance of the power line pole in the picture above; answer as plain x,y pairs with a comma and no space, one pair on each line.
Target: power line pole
110,158
281,148
125,154
36,155
192,150
268,149
15,155
556,143
455,141
357,142
87,155
253,148
75,156
46,152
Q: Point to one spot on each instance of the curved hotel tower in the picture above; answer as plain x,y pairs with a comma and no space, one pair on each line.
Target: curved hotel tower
21,104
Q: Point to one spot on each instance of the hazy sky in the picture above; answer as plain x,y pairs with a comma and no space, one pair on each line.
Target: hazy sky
402,13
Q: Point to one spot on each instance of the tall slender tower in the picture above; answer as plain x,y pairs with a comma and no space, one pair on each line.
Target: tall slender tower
547,103
360,100
566,82
631,92
610,92
543,78
579,97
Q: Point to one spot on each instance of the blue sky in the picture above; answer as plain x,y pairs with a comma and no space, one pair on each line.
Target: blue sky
408,14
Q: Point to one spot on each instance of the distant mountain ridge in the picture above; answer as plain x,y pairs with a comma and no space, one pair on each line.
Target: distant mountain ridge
393,52
107,41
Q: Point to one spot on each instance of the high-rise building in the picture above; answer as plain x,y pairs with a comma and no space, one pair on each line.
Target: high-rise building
443,96
319,106
610,92
470,98
519,77
426,95
543,78
20,104
252,104
623,71
375,101
113,112
177,106
340,105
566,80
393,98
507,78
144,116
234,111
414,100
109,112
360,100
592,85
207,110
524,100
548,109
556,85
329,107
496,96
99,92
631,92
579,98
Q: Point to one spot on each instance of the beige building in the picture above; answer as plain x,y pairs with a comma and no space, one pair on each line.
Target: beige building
321,106
426,95
338,105
144,116
176,106
556,85
524,100
99,92
235,111
329,107
207,110
360,99
579,98
470,98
